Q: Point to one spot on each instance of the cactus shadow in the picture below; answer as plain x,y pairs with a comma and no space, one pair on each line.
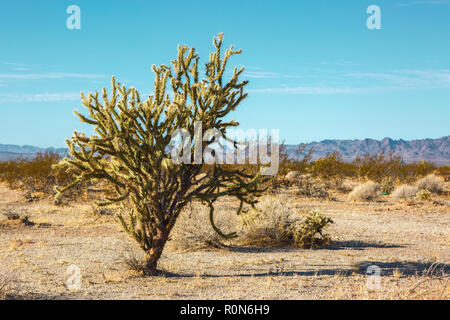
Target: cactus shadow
407,268
359,245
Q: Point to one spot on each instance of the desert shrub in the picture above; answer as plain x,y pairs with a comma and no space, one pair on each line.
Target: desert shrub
404,192
275,184
419,169
378,166
387,185
374,167
7,279
270,225
192,233
308,187
275,224
328,167
347,185
40,174
305,236
293,175
444,171
423,194
431,183
364,192
287,165
131,261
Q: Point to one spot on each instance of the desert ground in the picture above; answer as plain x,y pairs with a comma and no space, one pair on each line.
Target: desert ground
409,242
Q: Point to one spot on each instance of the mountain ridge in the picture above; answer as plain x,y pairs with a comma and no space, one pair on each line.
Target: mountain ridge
433,150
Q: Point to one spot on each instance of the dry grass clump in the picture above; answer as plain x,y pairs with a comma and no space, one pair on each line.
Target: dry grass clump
132,262
274,224
364,192
270,225
431,183
7,279
404,192
309,187
347,185
292,175
193,230
435,278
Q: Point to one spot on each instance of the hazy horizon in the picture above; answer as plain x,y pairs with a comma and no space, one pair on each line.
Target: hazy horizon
292,144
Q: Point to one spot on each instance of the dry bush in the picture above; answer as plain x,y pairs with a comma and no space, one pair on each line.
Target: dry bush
364,192
132,262
309,187
374,167
347,185
292,175
7,279
277,183
193,231
431,183
378,166
432,283
330,166
270,225
404,192
274,224
38,175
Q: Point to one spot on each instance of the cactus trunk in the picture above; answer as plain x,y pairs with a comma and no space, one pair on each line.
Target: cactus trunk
153,255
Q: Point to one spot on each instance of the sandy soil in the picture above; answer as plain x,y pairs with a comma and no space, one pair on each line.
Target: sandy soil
404,241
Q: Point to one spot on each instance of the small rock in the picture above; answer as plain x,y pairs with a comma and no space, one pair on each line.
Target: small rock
14,244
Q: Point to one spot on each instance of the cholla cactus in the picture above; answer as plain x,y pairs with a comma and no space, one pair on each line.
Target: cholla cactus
130,148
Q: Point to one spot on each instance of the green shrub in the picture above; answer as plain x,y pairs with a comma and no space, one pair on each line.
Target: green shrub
387,185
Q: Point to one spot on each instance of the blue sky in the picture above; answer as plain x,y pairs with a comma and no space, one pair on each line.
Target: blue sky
316,71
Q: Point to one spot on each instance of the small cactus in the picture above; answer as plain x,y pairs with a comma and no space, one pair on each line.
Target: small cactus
423,195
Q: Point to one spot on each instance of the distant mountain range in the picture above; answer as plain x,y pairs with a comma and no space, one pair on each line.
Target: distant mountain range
13,152
434,150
